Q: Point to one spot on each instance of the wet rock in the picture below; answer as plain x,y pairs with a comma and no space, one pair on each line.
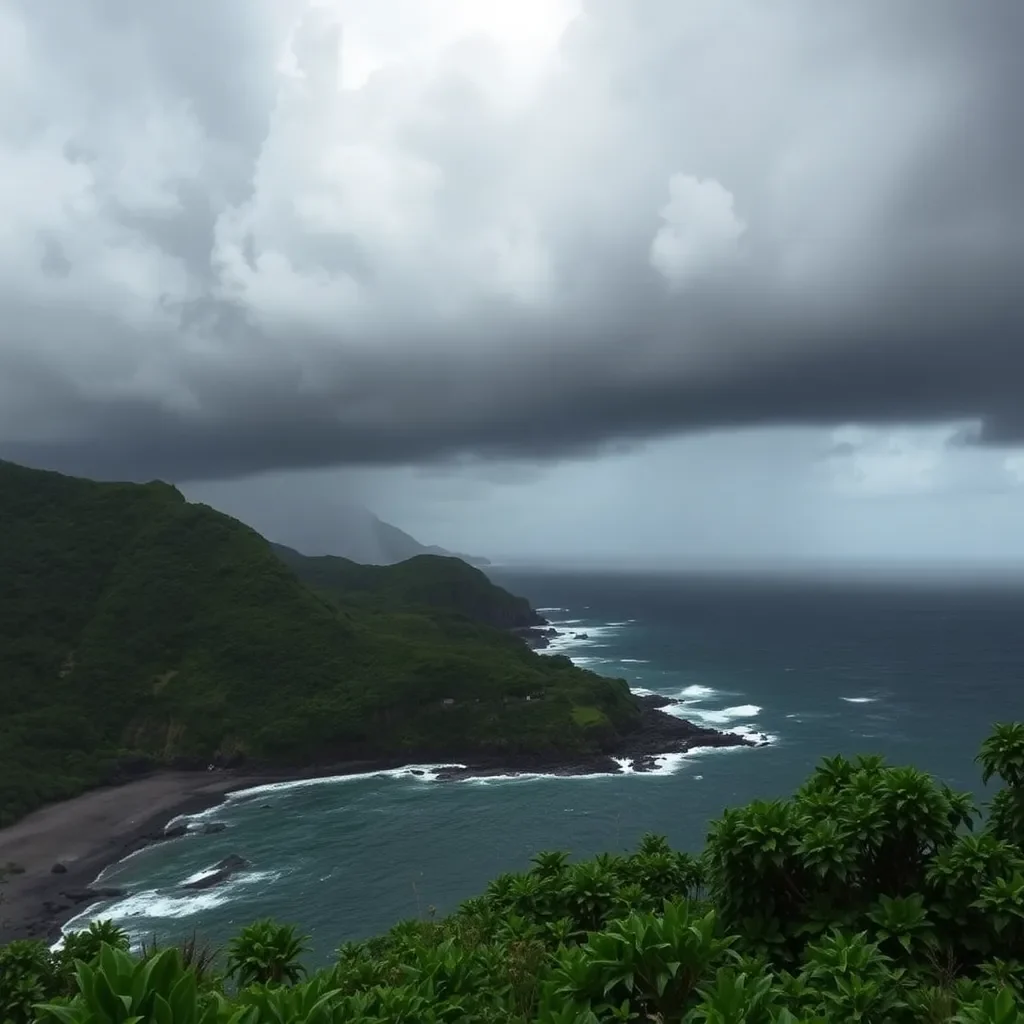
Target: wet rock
219,873
655,700
210,828
59,869
174,831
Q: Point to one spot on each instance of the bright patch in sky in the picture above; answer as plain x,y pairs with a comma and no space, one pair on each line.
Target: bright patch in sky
388,33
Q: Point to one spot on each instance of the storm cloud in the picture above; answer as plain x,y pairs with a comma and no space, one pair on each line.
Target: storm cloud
256,235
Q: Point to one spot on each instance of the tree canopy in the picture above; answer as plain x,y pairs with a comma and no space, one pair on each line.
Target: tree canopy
138,630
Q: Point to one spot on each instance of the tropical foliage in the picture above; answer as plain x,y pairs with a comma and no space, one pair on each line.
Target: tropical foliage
874,894
139,631
426,583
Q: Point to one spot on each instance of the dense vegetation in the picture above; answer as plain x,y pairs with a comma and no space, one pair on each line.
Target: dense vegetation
427,583
138,630
866,897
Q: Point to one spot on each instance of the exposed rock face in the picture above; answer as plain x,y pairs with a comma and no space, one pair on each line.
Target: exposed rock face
206,828
536,637
659,733
219,873
662,733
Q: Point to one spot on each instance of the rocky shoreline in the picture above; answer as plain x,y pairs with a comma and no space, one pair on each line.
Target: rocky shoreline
659,734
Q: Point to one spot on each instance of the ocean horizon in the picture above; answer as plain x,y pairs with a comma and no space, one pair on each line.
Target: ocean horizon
917,673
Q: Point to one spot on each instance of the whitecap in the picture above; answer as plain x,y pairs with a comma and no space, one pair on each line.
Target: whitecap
695,692
762,739
641,691
759,737
490,780
416,772
668,764
859,700
665,764
635,661
716,717
169,904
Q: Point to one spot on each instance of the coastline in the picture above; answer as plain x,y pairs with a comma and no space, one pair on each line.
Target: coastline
88,833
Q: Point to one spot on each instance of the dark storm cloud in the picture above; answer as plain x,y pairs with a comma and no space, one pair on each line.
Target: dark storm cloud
714,216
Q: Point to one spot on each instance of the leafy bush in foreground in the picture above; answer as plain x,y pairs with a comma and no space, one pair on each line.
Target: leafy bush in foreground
865,897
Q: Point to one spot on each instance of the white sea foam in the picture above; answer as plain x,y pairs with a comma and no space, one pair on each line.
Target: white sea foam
641,691
199,875
668,764
544,611
415,772
755,734
719,717
490,780
169,904
859,700
764,739
635,661
695,692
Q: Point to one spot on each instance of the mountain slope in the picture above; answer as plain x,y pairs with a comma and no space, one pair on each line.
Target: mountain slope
396,545
139,630
316,522
428,583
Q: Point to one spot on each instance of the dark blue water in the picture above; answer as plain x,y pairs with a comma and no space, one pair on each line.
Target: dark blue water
915,673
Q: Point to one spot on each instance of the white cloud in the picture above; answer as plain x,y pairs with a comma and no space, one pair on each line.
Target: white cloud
347,212
701,229
878,462
1014,467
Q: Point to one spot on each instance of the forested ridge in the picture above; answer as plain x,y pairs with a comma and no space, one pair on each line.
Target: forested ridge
138,630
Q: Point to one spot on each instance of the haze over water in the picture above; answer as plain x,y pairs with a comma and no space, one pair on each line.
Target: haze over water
917,673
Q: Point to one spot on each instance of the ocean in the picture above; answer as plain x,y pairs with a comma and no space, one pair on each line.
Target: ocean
916,673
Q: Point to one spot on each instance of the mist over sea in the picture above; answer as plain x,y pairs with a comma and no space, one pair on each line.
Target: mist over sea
915,672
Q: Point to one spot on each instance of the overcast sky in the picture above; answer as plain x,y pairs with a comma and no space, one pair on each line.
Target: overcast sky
660,282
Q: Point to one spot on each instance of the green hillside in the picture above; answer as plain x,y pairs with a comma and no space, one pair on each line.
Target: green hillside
426,582
137,630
